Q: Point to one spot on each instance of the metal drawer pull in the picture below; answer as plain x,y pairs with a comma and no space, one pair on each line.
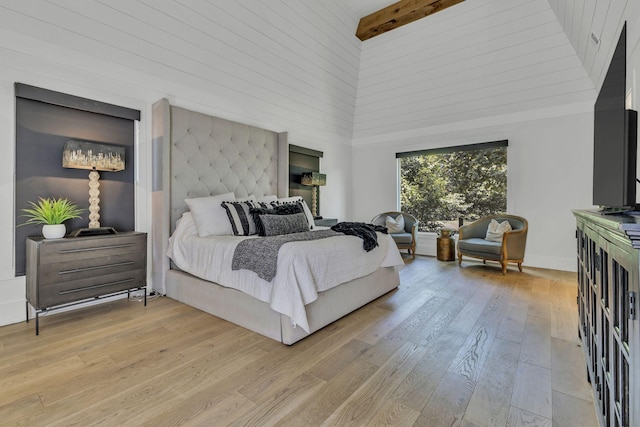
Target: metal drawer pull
70,291
97,267
99,248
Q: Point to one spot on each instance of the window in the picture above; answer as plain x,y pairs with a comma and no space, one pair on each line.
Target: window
446,186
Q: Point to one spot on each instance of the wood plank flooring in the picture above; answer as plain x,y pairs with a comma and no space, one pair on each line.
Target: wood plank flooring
451,347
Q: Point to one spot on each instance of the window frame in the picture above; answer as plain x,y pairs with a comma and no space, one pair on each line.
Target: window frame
443,150
454,148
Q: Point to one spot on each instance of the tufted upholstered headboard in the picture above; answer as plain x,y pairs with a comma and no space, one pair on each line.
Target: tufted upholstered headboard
196,155
212,156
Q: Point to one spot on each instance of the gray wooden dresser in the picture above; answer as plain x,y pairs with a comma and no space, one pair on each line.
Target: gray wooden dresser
71,270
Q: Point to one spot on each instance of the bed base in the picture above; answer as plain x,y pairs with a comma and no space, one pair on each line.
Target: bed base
248,312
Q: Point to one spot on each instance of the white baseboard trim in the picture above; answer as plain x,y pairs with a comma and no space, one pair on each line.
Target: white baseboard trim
12,312
427,245
12,300
552,263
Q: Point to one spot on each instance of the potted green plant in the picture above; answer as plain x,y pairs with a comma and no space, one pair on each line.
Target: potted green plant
51,212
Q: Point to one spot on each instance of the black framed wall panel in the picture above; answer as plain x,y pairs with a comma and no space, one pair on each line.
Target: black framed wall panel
302,160
43,125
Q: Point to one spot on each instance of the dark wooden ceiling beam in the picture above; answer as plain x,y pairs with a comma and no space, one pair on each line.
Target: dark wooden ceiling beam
399,14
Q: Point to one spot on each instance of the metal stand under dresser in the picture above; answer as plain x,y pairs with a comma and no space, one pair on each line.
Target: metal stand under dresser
72,270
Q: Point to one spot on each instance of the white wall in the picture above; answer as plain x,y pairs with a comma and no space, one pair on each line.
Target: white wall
549,174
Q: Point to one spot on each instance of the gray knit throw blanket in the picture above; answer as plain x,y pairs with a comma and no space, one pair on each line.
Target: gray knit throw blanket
260,255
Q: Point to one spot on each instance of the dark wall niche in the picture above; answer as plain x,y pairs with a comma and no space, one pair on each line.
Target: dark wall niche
45,120
303,160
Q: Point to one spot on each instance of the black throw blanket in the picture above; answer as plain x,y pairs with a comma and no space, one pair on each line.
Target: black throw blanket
367,232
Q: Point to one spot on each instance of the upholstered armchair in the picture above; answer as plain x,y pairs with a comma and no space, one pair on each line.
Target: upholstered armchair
406,238
472,242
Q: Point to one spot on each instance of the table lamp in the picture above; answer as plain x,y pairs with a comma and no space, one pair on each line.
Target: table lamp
314,179
95,157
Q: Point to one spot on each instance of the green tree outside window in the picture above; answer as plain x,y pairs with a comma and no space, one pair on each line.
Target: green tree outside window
440,188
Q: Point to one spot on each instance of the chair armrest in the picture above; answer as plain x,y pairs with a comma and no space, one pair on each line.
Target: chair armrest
514,243
414,231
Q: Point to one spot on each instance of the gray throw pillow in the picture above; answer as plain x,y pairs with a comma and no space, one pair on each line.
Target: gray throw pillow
276,225
287,209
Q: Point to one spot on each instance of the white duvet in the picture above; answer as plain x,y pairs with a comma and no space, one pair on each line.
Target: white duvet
304,268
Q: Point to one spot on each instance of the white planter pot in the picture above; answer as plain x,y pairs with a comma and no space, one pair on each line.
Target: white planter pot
54,231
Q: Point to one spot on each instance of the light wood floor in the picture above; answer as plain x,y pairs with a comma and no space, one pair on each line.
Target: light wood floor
452,346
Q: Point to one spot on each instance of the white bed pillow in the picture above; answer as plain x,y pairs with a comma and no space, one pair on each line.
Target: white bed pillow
496,230
395,225
307,211
209,215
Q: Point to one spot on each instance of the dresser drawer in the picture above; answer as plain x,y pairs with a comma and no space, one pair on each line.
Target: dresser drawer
87,268
64,292
79,248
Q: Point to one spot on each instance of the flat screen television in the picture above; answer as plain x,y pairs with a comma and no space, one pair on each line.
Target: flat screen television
615,138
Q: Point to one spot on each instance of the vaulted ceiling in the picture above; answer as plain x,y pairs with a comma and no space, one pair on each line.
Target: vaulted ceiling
362,8
470,62
298,65
578,19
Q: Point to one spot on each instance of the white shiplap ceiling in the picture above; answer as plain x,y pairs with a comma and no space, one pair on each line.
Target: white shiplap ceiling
603,18
297,64
578,19
475,60
361,8
285,65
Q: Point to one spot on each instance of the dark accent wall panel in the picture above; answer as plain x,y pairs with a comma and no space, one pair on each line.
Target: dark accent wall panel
302,160
42,129
70,101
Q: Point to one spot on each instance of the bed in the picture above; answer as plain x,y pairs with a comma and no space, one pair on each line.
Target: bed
196,155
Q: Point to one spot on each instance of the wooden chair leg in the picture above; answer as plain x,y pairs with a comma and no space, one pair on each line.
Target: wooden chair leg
459,259
504,267
520,267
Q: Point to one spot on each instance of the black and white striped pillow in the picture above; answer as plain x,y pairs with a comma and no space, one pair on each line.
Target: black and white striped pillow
241,220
